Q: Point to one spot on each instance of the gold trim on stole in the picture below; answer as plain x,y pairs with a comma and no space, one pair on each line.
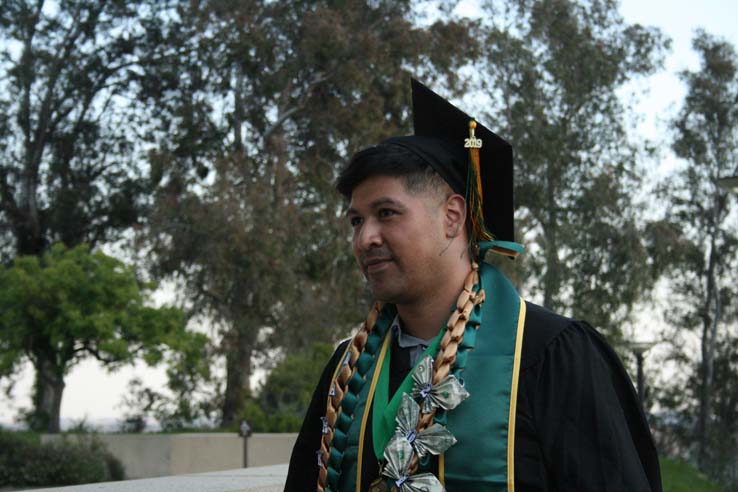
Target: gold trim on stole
368,406
514,399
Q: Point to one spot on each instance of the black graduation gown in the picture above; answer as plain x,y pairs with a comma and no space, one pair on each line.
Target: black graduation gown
579,425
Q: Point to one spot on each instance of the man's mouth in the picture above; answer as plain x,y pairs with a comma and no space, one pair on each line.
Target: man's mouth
376,264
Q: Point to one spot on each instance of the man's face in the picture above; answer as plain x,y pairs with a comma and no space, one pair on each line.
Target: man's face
398,237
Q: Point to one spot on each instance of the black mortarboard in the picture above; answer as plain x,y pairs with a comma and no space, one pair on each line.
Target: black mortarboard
440,133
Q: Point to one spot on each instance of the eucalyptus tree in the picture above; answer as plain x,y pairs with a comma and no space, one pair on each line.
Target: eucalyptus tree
255,105
553,70
705,281
67,170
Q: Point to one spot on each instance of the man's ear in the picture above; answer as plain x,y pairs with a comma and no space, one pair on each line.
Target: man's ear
455,215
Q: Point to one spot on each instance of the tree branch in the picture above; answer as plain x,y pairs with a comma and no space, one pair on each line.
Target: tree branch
27,82
44,118
6,196
97,355
286,114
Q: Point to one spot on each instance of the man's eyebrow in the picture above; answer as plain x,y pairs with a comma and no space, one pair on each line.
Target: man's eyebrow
379,202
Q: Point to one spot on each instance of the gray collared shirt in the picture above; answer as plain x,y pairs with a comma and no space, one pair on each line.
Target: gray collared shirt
416,345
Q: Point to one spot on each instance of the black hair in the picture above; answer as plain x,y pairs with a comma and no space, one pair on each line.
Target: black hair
388,159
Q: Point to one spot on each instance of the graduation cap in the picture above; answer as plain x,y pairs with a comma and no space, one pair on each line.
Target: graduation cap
474,161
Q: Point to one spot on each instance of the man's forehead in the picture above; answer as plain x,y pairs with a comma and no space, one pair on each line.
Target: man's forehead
376,191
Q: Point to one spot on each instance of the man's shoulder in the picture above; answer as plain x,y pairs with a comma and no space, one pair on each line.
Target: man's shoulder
543,325
542,328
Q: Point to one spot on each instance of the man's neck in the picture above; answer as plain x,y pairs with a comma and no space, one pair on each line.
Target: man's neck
425,318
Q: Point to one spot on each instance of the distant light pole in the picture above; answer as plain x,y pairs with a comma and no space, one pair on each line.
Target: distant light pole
244,430
640,349
729,183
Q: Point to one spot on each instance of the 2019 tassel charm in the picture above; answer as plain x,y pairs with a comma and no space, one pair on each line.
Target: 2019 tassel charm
474,188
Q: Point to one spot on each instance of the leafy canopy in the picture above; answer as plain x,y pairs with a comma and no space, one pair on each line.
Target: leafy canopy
555,68
71,304
284,398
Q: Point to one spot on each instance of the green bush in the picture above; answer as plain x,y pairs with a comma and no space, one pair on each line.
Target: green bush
282,401
25,462
678,476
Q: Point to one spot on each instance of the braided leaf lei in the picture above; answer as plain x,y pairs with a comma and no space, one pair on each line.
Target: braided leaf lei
433,388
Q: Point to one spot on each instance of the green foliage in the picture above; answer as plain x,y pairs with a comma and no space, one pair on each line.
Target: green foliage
679,476
243,112
702,275
282,401
555,67
66,172
253,98
289,387
183,407
22,435
259,421
71,304
82,304
25,462
256,418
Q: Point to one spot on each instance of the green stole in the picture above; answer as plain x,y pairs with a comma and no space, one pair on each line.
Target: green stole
488,362
483,459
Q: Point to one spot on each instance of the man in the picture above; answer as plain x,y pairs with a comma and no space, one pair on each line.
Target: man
502,395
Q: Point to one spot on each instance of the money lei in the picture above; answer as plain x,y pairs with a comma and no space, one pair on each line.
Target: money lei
408,441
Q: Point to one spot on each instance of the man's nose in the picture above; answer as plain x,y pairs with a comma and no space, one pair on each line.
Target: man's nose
369,235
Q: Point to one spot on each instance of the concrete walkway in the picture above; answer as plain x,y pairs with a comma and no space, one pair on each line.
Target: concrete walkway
261,479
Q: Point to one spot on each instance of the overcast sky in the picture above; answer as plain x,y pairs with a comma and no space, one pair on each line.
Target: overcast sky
94,394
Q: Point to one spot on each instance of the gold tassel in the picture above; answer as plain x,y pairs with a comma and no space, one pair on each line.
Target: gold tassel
474,188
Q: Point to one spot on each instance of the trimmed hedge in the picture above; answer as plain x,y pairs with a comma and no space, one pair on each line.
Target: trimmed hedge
24,462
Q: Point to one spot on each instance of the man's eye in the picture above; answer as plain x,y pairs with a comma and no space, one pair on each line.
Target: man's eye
354,221
386,212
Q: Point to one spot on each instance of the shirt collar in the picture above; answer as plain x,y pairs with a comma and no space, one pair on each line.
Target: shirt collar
404,340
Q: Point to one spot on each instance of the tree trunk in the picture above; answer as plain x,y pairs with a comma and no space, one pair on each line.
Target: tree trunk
277,148
238,109
552,276
29,241
28,231
27,228
239,348
703,402
710,322
47,397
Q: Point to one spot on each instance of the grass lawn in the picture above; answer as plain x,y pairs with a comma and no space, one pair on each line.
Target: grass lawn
678,476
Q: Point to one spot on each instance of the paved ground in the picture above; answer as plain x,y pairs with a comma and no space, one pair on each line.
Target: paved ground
262,479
